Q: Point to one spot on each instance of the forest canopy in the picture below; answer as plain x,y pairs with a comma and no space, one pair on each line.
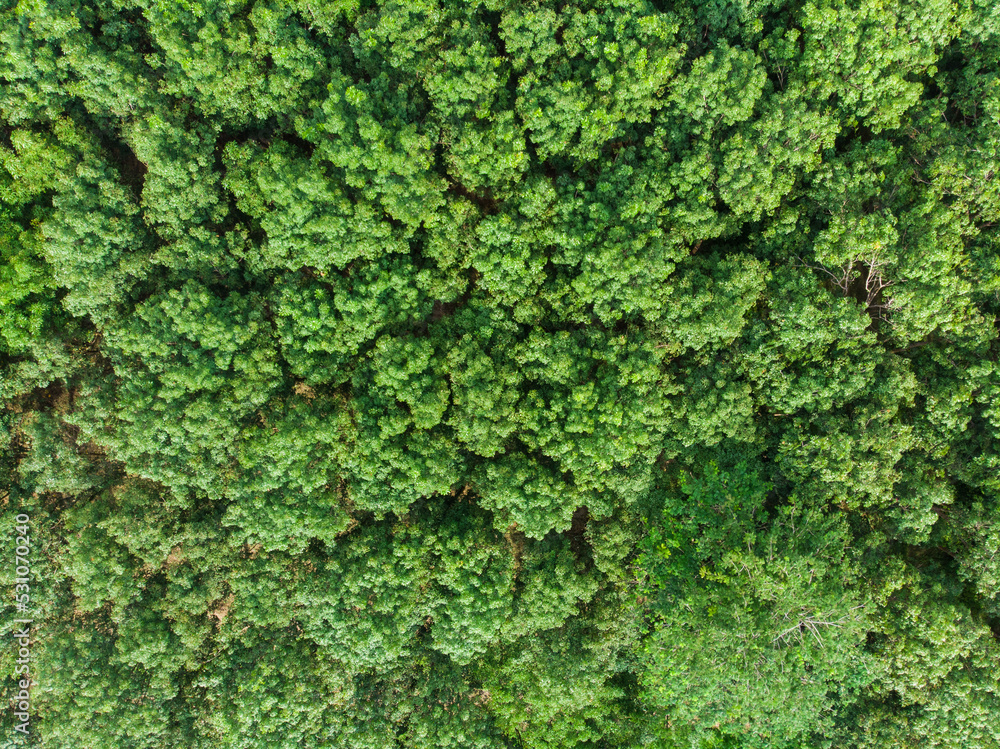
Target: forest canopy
500,374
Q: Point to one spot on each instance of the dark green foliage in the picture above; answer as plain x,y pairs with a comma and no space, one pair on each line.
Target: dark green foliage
503,374
758,622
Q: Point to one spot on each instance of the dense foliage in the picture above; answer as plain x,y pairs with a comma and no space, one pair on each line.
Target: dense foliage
423,373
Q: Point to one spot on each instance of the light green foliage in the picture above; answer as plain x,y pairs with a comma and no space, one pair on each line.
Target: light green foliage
485,388
585,76
308,222
759,164
93,237
551,585
614,426
402,373
326,324
709,300
35,87
345,348
196,366
840,462
714,406
864,54
291,454
402,450
529,493
609,245
100,569
450,576
84,657
182,198
370,133
720,89
161,529
366,602
206,54
612,386
473,576
54,462
26,283
506,255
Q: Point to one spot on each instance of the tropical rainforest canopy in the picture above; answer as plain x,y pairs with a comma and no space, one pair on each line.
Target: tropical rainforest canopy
500,374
